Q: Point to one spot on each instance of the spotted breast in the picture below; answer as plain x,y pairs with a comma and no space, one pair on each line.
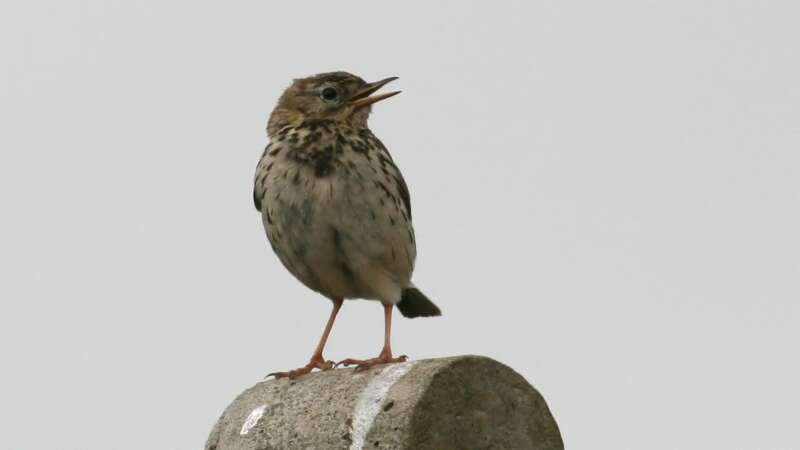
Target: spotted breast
337,211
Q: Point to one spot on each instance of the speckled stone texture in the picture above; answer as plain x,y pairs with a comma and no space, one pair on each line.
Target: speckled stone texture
462,402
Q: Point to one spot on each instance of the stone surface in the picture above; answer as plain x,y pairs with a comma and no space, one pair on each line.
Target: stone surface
463,402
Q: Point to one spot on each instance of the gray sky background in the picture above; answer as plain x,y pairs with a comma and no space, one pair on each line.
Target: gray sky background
605,196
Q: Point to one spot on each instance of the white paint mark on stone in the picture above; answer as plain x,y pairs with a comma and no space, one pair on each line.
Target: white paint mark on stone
252,419
371,399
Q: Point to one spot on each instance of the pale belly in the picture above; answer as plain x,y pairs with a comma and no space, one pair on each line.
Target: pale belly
338,234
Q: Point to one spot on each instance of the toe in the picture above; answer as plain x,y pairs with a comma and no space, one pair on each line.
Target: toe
349,362
277,375
292,374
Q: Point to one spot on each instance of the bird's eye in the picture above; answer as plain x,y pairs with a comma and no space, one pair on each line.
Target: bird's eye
329,94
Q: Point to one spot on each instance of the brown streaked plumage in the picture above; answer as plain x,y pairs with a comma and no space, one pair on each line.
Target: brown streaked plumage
335,207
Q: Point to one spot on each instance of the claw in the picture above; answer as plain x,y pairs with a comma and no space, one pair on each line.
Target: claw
315,363
347,362
364,364
292,374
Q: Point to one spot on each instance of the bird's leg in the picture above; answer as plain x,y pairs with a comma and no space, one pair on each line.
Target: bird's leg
385,356
317,360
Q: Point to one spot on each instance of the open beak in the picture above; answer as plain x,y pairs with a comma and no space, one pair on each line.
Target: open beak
362,98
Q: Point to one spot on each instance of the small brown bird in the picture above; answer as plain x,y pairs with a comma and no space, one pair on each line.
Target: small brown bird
335,207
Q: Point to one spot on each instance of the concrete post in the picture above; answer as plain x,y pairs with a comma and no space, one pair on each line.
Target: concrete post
463,402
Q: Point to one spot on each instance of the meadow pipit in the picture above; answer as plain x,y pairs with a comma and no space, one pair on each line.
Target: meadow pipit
335,207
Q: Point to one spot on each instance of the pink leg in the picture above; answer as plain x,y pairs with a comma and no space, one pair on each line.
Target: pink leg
385,357
317,361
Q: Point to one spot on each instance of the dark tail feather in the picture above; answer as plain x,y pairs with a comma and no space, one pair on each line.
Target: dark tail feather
413,303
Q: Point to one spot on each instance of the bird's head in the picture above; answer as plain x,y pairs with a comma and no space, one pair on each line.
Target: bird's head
337,96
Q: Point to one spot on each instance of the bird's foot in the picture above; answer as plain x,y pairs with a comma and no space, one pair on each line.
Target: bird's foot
364,364
317,362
